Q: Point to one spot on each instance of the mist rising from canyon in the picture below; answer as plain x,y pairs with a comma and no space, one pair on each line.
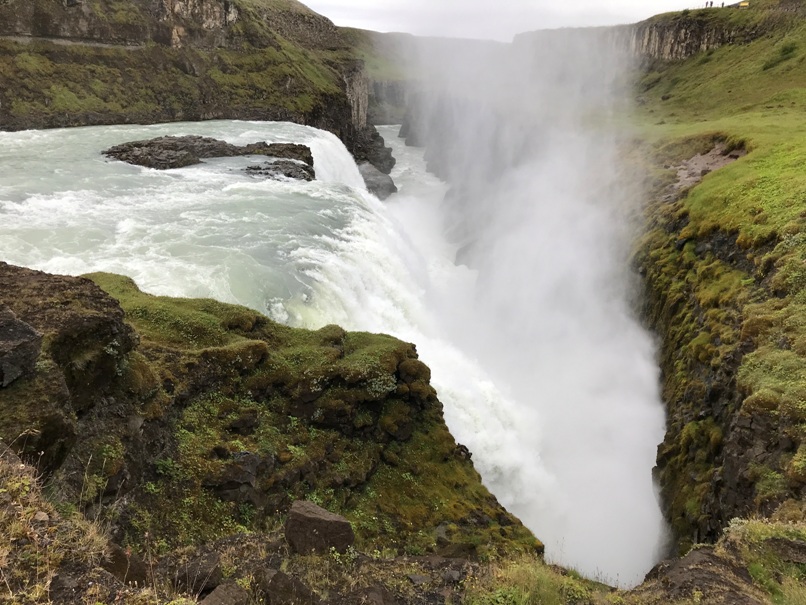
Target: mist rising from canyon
542,207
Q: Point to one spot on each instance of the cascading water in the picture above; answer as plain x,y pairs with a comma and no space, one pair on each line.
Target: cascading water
541,410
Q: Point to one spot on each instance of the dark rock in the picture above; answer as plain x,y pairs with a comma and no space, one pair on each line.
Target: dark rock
228,594
719,580
452,576
125,565
163,153
312,528
418,580
283,169
377,182
237,480
244,424
282,589
286,151
372,148
19,347
791,551
199,575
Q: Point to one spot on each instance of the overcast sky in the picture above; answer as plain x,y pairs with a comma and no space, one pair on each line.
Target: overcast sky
497,19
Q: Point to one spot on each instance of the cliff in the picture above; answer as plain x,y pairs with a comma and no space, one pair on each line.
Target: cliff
105,62
129,403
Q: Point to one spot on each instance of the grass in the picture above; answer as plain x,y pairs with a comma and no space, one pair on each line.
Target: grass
348,420
33,546
724,268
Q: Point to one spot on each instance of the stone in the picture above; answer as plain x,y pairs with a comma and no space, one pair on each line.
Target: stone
790,550
163,153
125,565
452,576
20,345
200,575
228,594
311,528
283,169
237,480
41,517
378,183
282,589
417,579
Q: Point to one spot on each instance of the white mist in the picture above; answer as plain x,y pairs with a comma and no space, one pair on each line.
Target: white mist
542,210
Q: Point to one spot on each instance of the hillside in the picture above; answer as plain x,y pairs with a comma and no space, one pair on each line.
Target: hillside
723,265
109,62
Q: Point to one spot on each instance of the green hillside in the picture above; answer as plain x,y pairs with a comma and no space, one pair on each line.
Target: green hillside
726,272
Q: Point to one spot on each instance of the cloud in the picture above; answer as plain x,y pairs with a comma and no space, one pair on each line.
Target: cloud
485,19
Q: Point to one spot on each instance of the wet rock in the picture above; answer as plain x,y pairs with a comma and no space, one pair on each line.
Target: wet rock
377,182
19,347
228,594
163,153
312,528
282,589
282,169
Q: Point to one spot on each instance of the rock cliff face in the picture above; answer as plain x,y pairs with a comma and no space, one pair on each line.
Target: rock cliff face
684,35
676,36
80,63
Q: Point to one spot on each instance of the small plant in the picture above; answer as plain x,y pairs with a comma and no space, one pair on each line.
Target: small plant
785,52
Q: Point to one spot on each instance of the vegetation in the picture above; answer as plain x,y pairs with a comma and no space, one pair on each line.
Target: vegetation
353,413
724,267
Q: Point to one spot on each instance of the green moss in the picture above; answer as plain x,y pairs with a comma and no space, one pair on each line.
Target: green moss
347,419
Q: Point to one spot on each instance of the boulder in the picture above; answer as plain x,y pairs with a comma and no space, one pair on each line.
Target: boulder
376,181
228,594
19,347
283,169
282,589
163,153
311,528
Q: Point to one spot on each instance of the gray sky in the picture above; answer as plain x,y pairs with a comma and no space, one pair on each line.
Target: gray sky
498,19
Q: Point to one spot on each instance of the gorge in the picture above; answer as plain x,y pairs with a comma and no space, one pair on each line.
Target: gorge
512,277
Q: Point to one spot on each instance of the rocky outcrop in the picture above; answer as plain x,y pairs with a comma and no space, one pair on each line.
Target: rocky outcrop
19,347
310,528
282,169
682,35
376,181
163,153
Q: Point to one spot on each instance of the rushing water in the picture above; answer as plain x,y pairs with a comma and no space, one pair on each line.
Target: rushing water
309,254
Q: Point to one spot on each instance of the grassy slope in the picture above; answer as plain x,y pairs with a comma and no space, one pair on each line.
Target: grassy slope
279,60
750,311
